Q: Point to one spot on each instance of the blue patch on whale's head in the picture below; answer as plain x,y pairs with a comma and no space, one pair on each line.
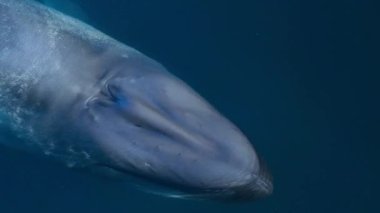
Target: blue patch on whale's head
122,102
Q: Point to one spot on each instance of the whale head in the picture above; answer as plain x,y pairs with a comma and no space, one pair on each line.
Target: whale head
152,125
141,120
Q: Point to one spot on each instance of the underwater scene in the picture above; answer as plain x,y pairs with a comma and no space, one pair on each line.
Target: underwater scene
189,106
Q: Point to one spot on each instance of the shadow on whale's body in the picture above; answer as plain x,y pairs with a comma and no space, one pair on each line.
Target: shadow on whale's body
71,93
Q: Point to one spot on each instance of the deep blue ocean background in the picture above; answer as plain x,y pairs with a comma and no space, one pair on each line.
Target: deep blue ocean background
300,78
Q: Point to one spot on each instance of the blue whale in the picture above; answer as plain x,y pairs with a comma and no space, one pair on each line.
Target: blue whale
72,93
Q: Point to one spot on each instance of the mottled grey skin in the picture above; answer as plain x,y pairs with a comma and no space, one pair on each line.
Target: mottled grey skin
70,92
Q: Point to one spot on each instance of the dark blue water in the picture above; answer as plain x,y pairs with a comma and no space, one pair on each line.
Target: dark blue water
300,78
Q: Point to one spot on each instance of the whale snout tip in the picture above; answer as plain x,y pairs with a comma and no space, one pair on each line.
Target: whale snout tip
260,186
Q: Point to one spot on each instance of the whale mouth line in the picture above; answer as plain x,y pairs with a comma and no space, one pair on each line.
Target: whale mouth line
259,187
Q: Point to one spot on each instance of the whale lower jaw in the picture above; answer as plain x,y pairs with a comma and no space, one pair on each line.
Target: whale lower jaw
259,186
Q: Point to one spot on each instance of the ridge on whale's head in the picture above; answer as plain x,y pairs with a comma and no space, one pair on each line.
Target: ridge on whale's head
152,125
